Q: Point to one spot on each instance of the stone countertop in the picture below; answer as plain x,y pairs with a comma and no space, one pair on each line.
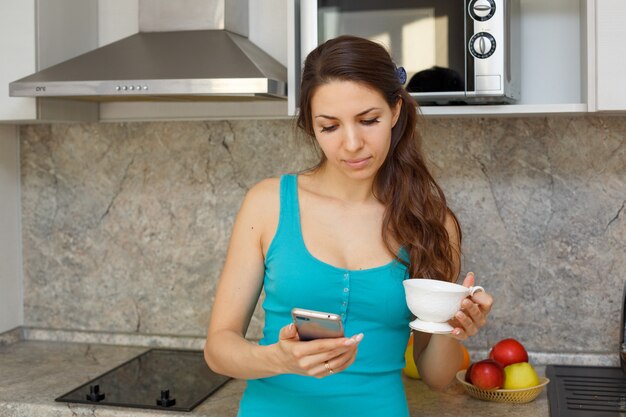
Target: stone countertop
33,373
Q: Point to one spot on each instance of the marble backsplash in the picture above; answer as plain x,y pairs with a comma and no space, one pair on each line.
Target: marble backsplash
125,226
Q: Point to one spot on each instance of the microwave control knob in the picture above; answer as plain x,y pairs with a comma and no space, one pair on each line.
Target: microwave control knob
482,45
481,10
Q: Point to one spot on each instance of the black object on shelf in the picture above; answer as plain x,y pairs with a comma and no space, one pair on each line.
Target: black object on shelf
163,379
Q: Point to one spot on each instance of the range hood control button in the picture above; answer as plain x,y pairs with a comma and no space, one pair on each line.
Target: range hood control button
165,400
94,393
131,88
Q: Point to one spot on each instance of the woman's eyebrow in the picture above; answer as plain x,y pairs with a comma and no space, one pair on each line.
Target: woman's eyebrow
360,114
326,117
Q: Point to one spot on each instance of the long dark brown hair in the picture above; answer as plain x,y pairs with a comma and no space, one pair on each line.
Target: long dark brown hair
416,207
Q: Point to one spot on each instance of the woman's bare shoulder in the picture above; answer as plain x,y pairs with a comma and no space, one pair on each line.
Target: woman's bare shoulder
261,209
265,191
262,201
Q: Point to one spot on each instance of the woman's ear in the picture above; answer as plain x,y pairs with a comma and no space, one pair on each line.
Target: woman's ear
395,111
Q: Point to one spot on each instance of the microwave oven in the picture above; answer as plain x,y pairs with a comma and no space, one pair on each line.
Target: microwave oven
454,51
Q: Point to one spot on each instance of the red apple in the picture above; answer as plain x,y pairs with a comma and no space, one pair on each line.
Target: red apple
487,374
508,352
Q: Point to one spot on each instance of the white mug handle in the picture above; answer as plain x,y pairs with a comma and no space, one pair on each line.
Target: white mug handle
475,289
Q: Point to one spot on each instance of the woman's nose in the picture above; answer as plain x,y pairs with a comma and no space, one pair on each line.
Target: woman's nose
352,139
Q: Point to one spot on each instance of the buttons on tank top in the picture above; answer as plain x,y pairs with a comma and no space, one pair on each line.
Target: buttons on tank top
346,292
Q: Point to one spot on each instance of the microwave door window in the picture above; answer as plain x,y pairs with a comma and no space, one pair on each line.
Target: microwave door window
426,37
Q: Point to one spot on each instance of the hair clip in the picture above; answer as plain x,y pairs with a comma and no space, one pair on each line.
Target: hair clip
401,74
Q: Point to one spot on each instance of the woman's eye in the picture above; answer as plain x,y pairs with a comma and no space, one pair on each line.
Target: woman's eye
328,128
370,121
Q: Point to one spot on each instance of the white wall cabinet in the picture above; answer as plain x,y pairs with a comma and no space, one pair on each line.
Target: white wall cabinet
607,90
11,310
17,49
35,34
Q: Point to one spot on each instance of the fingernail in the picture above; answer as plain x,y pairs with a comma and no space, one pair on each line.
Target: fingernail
349,342
359,337
290,327
470,273
457,332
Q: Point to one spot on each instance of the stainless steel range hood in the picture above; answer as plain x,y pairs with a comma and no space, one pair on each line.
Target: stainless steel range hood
203,61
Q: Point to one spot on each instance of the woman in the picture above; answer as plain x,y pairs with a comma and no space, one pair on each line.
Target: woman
341,238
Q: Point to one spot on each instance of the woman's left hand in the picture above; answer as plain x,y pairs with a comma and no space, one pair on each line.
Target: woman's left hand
473,313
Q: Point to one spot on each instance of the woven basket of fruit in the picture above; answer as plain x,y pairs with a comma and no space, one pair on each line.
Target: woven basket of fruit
517,396
505,376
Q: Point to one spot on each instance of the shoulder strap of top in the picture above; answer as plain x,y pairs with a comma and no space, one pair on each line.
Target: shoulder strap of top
289,211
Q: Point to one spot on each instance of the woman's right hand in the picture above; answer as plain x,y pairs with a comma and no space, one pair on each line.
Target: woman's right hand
318,358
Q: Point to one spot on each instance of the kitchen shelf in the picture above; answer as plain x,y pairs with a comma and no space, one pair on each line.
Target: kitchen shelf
505,110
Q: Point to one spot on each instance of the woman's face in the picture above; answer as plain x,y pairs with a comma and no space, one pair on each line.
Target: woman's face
352,124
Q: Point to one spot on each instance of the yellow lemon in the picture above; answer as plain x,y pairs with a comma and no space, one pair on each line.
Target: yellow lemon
410,369
520,375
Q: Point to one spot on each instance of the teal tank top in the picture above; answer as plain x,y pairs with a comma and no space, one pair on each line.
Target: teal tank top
369,301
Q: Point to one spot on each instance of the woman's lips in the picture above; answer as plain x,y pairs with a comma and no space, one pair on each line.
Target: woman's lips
357,163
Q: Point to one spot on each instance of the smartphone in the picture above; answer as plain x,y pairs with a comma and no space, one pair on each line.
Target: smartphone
316,324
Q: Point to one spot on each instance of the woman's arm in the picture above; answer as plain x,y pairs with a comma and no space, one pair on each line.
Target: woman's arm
226,350
238,290
439,357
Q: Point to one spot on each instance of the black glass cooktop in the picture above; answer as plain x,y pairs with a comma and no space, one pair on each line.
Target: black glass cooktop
164,379
586,391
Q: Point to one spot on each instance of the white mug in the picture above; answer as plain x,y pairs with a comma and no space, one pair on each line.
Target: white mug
435,301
